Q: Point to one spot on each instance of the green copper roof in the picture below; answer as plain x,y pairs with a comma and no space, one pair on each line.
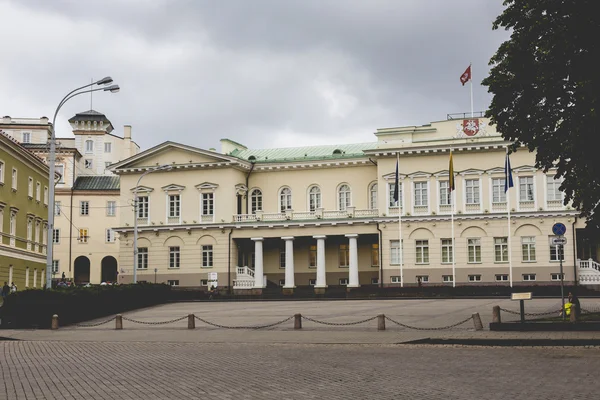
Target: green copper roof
97,183
305,153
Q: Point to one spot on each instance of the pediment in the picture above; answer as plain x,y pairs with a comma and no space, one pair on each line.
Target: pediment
419,174
392,176
173,188
207,186
497,170
142,189
471,171
525,168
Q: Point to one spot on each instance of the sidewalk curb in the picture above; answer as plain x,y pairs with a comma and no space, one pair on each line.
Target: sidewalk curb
507,342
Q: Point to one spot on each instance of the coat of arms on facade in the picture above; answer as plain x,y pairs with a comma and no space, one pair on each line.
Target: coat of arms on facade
471,127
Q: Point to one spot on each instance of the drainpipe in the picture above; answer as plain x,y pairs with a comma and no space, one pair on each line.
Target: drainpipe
374,162
229,263
575,252
380,259
248,187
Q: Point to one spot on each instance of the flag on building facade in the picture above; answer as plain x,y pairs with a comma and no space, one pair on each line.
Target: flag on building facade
451,173
466,76
397,186
508,179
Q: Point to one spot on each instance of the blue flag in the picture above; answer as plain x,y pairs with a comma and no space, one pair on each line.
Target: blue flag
397,185
508,179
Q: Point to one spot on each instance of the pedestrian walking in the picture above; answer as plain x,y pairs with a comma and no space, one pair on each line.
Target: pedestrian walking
13,287
5,289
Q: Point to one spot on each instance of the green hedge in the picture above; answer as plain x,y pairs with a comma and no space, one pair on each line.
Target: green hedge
34,308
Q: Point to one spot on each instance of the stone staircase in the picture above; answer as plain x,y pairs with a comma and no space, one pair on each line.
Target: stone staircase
588,272
244,278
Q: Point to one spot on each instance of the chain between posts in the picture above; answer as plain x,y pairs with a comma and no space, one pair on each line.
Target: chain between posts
95,324
154,323
530,314
429,329
339,323
243,327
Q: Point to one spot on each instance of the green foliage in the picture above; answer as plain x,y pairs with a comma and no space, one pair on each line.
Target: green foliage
545,85
34,308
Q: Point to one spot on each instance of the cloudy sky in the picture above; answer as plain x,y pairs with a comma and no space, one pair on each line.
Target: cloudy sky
265,73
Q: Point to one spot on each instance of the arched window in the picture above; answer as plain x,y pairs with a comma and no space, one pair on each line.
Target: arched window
344,197
89,146
373,197
256,200
314,198
285,199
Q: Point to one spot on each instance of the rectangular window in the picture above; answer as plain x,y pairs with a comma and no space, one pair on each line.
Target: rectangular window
88,164
374,281
312,282
282,257
474,250
55,266
375,255
422,278
203,282
344,255
472,191
526,188
84,208
45,195
207,203
110,236
556,277
174,282
26,137
89,146
60,169
312,256
14,179
502,278
175,256
83,235
474,278
529,277
111,208
556,252
38,191
395,256
57,205
552,188
30,188
56,236
207,256
447,251
501,249
174,203
422,249
447,278
395,279
528,248
29,233
343,281
498,193
391,187
142,258
2,172
108,147
142,209
445,193
421,194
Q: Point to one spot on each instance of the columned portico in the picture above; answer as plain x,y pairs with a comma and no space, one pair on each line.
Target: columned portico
258,263
321,277
289,262
353,267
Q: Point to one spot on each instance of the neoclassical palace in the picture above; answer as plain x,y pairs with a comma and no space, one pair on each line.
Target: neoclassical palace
326,215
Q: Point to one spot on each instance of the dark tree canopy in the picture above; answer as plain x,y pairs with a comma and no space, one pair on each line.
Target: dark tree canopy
545,82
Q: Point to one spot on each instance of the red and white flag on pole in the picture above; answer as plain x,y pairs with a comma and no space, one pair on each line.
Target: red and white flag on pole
466,76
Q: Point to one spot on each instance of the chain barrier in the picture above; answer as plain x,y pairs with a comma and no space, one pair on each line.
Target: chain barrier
338,323
154,323
95,324
243,327
531,314
429,329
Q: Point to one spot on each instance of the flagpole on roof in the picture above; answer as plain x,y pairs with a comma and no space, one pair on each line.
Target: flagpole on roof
399,203
507,186
451,187
470,66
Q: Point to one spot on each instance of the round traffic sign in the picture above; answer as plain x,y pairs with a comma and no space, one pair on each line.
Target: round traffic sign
559,229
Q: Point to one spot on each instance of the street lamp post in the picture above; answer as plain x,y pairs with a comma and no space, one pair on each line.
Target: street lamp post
52,162
135,216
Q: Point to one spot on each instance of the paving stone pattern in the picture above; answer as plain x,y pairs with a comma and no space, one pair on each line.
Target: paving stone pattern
136,370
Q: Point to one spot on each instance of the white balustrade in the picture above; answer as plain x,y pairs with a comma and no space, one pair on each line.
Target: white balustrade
335,214
366,213
499,207
173,220
244,218
472,208
304,215
207,218
527,205
142,221
274,217
421,210
555,205
243,284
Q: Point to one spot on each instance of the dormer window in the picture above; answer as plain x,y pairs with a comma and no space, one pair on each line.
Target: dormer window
337,152
26,137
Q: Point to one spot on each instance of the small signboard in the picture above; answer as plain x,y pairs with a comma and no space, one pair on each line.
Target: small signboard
558,241
212,280
521,296
559,229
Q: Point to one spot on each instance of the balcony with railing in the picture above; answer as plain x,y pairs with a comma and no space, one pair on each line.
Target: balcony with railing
319,213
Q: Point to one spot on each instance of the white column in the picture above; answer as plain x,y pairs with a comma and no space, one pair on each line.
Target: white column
353,273
258,263
289,262
321,280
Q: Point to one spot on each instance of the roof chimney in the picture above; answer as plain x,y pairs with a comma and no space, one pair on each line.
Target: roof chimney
127,132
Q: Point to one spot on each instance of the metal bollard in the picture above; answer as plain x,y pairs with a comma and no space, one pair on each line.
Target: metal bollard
477,322
191,321
573,315
297,321
381,322
55,321
119,321
496,317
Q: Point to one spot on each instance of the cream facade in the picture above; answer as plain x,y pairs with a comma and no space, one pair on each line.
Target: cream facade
325,215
